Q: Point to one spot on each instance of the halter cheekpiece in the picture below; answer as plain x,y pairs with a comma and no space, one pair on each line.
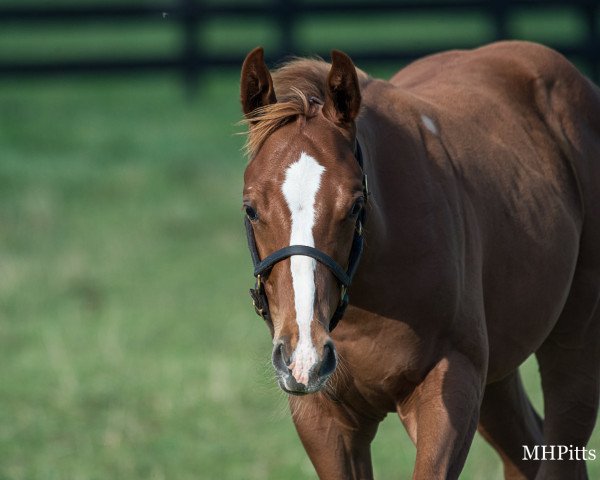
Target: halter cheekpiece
263,267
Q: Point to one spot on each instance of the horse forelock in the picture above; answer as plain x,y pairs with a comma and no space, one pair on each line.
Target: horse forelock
300,86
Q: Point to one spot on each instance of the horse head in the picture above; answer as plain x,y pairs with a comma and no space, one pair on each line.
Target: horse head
304,199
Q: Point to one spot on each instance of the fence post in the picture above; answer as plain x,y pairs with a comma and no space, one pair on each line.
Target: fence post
286,19
499,10
189,54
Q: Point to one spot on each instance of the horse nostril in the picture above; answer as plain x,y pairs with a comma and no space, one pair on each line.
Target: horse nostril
329,360
280,362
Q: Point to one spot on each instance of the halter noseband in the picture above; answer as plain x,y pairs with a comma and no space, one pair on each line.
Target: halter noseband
344,277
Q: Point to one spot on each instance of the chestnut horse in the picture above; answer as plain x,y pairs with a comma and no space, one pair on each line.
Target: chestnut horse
473,178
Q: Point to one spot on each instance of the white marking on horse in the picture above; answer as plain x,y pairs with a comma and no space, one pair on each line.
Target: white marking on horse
302,182
429,124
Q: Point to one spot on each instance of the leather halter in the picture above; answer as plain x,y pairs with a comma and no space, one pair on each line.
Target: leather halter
263,267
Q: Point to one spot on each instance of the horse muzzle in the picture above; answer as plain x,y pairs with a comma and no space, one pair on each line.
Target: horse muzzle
305,370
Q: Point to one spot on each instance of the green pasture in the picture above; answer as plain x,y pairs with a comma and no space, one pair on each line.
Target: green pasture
128,346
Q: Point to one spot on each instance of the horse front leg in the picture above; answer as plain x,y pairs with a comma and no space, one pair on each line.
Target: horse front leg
336,438
442,415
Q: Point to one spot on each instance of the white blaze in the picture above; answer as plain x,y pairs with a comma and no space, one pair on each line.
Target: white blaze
300,187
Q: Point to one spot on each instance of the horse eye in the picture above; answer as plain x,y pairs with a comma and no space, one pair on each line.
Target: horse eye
251,213
357,207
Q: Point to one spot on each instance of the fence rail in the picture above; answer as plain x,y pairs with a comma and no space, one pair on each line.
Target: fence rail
191,60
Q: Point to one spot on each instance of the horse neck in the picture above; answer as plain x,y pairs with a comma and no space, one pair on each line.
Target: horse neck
404,181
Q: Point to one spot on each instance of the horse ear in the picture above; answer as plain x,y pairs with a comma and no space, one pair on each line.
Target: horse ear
343,90
256,84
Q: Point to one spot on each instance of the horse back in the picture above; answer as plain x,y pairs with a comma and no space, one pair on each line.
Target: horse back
524,77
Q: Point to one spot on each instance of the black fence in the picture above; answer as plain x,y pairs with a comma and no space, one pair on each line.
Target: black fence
192,59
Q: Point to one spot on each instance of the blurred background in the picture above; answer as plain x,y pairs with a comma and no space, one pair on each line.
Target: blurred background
128,345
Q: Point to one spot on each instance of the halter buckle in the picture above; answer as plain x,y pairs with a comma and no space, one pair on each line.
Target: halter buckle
343,292
256,294
256,309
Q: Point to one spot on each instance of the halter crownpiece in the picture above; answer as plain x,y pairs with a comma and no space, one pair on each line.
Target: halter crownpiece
263,267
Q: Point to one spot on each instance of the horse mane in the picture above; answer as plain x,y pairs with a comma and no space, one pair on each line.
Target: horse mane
300,85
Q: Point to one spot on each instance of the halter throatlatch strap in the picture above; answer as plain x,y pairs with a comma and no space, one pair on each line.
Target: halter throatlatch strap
263,267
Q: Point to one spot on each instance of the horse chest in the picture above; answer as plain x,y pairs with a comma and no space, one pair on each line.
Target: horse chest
384,367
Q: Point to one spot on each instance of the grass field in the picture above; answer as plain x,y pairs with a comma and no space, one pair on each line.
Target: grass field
128,346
